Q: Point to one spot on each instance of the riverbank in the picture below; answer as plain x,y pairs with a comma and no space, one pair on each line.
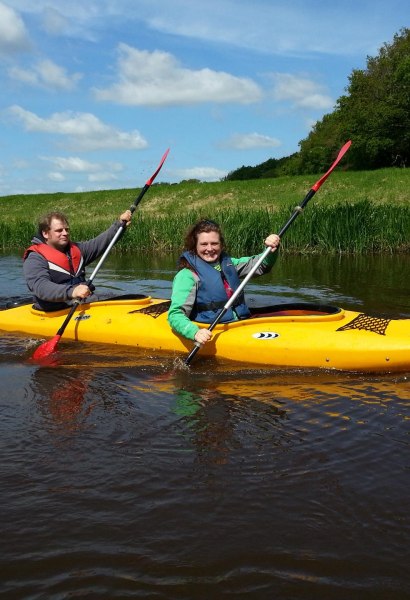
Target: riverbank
353,212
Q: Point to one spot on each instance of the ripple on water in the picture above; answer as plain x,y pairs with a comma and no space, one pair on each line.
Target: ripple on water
124,475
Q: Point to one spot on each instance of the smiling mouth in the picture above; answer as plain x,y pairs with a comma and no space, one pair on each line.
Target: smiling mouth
211,259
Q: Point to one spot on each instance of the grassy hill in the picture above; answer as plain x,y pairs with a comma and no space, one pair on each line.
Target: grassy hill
353,211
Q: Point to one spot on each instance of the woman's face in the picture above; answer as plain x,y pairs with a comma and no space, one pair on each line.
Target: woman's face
208,246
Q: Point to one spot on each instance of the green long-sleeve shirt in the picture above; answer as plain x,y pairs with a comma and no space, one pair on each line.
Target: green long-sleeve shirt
185,288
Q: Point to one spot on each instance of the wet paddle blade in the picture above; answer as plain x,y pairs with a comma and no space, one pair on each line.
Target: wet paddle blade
47,348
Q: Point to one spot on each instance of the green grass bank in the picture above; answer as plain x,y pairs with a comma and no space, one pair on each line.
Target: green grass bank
353,212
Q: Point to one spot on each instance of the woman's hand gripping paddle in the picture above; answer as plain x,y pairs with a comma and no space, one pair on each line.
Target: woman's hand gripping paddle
49,347
262,257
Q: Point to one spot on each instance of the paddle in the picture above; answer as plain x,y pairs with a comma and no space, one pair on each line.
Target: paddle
262,257
50,346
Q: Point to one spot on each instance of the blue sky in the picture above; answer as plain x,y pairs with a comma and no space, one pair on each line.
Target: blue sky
94,92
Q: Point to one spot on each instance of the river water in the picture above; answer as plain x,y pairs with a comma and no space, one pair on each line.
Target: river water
126,476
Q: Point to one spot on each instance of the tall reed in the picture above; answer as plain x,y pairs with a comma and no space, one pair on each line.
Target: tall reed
353,228
346,227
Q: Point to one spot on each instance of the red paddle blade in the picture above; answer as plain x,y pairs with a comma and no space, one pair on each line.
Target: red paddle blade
151,179
339,157
47,348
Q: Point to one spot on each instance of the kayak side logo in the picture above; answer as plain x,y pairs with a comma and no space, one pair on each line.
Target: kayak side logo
265,335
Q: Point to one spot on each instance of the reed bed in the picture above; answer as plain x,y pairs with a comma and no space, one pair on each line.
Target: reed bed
355,212
346,227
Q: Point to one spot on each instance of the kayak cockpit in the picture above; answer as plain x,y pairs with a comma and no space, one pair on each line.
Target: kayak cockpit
294,309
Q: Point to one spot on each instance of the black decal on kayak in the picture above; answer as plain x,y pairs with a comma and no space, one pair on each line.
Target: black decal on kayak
82,317
265,335
362,321
155,310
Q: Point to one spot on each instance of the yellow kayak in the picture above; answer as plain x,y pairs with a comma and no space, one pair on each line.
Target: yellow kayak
288,335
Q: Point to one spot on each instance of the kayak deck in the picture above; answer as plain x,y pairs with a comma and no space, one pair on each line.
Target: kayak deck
285,335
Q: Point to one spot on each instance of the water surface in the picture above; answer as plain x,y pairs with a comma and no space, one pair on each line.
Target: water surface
125,475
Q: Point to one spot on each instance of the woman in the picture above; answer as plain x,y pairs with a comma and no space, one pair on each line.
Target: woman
207,278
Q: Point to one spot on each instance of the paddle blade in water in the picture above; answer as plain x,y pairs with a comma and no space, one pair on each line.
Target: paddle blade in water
47,348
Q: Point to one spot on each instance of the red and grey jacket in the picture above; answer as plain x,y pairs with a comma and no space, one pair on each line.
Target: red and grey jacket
51,275
58,271
63,266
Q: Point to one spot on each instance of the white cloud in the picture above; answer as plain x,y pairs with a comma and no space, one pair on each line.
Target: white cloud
95,172
79,165
21,163
249,141
75,18
84,130
54,22
201,173
158,79
13,33
98,177
46,74
301,92
55,176
73,164
26,76
295,28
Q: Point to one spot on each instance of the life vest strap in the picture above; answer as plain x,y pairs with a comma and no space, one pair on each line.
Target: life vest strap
216,305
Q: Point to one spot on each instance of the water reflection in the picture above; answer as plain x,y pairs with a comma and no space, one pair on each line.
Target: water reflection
212,406
206,418
63,398
125,474
212,473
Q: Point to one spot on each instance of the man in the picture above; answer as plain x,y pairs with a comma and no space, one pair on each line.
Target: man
54,267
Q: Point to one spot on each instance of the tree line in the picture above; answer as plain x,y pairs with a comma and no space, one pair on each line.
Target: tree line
374,113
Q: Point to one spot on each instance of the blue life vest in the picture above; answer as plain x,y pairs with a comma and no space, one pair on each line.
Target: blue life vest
212,295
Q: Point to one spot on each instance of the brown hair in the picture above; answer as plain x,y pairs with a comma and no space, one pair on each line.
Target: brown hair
202,226
191,238
44,223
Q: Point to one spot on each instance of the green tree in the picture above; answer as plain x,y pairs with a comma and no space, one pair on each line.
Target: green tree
374,114
319,149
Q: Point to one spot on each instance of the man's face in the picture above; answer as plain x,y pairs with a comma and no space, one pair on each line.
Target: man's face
58,235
